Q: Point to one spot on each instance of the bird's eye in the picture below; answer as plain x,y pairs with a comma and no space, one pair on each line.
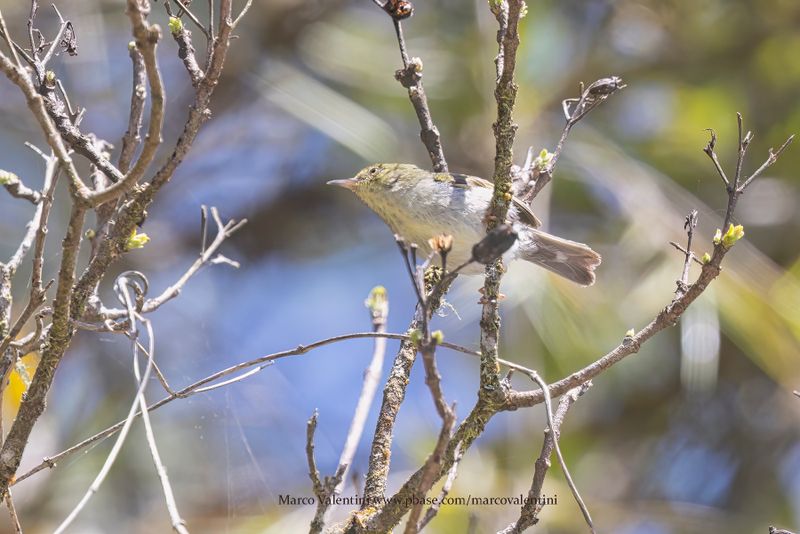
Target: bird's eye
373,171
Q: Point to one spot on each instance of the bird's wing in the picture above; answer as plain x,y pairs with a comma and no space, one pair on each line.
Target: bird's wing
464,181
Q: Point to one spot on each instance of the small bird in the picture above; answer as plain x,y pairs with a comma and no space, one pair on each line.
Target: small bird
419,204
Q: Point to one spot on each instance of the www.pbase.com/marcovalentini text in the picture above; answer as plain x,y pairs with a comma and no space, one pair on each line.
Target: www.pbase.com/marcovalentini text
469,500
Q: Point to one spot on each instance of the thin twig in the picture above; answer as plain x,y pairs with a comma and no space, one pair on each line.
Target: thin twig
12,512
12,46
17,189
58,339
207,256
378,305
709,150
323,489
773,157
682,249
192,17
31,18
689,225
37,106
241,14
146,36
114,453
131,139
186,53
536,174
533,505
393,395
56,41
431,512
124,283
200,386
410,77
553,433
430,470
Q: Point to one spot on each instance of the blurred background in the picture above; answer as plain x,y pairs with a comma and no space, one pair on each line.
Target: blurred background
696,433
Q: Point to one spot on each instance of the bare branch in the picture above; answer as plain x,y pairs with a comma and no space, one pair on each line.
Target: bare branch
313,472
773,157
536,174
671,313
532,507
410,77
186,53
682,249
393,395
37,106
224,231
198,112
31,41
147,37
744,142
242,13
57,41
12,512
431,512
378,305
709,150
689,225
114,453
7,362
192,16
323,489
66,123
17,189
12,46
507,13
131,139
123,285
430,470
200,387
58,339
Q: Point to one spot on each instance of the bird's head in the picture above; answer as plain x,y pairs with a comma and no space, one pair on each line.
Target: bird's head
382,178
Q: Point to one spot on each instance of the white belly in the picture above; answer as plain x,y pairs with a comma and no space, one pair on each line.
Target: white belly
419,215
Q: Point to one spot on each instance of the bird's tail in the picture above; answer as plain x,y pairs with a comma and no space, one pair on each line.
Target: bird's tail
574,261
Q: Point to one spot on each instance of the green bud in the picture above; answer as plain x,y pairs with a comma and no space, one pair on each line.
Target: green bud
136,240
175,25
523,11
131,46
543,160
718,237
416,337
90,234
706,259
7,178
438,337
630,333
378,303
50,77
734,234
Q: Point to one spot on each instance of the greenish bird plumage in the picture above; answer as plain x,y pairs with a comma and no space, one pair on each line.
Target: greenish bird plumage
419,204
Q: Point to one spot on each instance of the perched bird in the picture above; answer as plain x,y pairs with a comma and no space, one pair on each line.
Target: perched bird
419,204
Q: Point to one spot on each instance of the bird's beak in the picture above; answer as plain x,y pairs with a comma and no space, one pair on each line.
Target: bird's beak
349,183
